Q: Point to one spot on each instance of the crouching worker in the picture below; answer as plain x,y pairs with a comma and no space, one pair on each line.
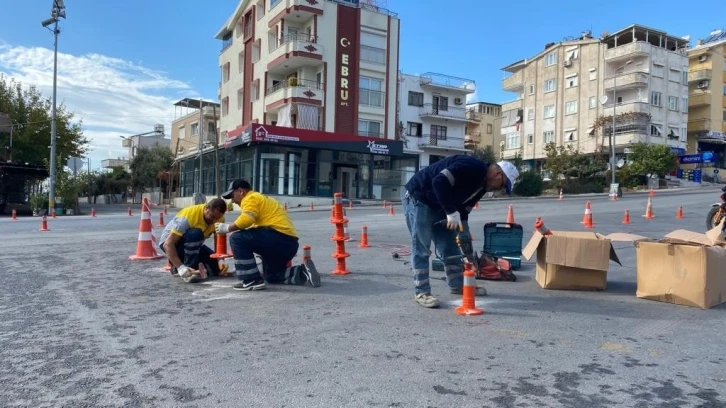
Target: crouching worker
265,229
183,240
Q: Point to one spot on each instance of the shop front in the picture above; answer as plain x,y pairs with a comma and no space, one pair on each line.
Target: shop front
296,162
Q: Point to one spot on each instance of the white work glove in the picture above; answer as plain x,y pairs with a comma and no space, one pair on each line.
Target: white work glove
184,271
221,228
453,221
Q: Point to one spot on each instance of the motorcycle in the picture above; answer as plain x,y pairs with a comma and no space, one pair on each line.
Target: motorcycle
717,212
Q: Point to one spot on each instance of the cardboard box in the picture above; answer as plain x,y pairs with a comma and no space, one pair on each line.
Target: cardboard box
571,260
685,268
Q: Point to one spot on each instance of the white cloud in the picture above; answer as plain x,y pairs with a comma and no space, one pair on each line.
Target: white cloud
113,96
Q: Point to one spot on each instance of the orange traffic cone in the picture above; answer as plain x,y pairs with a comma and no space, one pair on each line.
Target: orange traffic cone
510,215
220,247
539,225
652,192
167,268
312,206
679,214
385,204
364,238
468,299
161,220
44,224
166,210
93,212
129,212
15,215
588,216
390,210
476,205
649,211
339,221
584,217
626,217
285,207
562,196
52,213
350,204
307,253
146,241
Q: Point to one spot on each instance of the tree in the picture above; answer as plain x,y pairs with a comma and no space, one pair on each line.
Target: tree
148,164
647,159
558,160
30,112
485,154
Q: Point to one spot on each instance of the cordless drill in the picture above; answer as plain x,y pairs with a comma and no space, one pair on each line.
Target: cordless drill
463,240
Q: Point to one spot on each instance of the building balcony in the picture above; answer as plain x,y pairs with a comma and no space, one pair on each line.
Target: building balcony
440,142
699,125
111,163
294,52
294,90
447,83
627,51
629,80
472,139
626,107
443,112
697,100
514,82
301,10
699,75
473,116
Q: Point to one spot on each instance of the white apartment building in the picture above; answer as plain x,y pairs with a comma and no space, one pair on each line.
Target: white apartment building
433,115
567,94
308,97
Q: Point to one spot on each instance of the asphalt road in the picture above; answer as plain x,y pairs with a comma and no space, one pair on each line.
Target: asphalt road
81,325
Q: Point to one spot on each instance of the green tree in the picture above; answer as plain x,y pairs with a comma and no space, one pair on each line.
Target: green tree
655,159
558,160
30,113
485,154
148,165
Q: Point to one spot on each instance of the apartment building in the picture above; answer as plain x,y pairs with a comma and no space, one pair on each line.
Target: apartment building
486,128
707,97
198,120
568,93
433,115
308,97
134,143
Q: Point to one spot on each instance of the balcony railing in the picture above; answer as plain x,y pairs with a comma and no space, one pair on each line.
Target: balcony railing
699,125
514,82
366,6
441,141
369,97
294,88
443,111
370,134
700,75
627,80
447,82
699,99
473,115
627,106
292,38
627,50
472,138
293,83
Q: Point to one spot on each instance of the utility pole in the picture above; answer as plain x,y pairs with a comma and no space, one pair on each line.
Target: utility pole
217,181
200,138
57,11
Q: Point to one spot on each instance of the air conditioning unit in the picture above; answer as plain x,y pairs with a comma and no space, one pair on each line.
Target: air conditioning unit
458,101
702,58
703,84
567,63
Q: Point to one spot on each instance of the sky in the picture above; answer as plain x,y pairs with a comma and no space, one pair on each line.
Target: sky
122,64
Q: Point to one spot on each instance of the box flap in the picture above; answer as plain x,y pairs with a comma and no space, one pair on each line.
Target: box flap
578,251
715,234
624,237
532,245
711,238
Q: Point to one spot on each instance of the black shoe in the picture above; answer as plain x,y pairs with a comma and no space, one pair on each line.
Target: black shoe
311,273
250,284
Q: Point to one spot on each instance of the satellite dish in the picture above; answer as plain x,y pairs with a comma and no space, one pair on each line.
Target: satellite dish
603,99
620,163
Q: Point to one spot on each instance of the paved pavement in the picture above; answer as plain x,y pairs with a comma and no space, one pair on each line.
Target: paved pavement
81,325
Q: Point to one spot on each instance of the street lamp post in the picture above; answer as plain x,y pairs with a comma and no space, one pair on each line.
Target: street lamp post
612,134
57,11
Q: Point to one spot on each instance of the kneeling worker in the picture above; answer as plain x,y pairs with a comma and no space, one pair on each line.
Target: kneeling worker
264,228
183,239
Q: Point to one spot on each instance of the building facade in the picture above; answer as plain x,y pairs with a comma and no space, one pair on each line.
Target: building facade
318,79
157,137
707,97
486,127
569,92
433,115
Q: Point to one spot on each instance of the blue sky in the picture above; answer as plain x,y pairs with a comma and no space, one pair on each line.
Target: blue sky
153,51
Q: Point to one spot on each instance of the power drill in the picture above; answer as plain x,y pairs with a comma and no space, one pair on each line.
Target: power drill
463,240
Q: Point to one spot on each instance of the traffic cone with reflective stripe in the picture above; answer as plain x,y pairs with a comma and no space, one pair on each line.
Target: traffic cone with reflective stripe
15,215
649,211
510,215
44,224
626,217
145,245
562,196
93,212
364,238
588,216
679,214
161,219
539,225
468,298
391,211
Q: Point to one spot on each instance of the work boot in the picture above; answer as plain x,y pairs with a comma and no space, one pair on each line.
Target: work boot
427,300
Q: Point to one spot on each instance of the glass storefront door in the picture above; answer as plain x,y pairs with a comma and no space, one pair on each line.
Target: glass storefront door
272,170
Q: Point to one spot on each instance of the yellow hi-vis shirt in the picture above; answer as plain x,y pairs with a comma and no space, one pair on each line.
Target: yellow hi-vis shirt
189,217
261,211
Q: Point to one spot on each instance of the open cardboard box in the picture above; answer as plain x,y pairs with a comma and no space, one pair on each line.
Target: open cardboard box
571,260
685,268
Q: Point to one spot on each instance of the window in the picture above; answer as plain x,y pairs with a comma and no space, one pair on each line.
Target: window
570,135
570,107
674,75
593,102
674,132
319,80
724,115
593,74
531,89
684,78
182,133
240,98
371,91
490,128
530,139
549,111
370,128
414,129
673,103
655,130
684,133
530,114
724,89
225,72
658,71
194,129
551,59
655,99
241,61
512,141
372,54
439,132
684,105
571,82
248,25
260,9
548,136
549,85
256,51
415,98
225,106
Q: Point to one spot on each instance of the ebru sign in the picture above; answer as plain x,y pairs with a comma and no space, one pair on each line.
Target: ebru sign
346,106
